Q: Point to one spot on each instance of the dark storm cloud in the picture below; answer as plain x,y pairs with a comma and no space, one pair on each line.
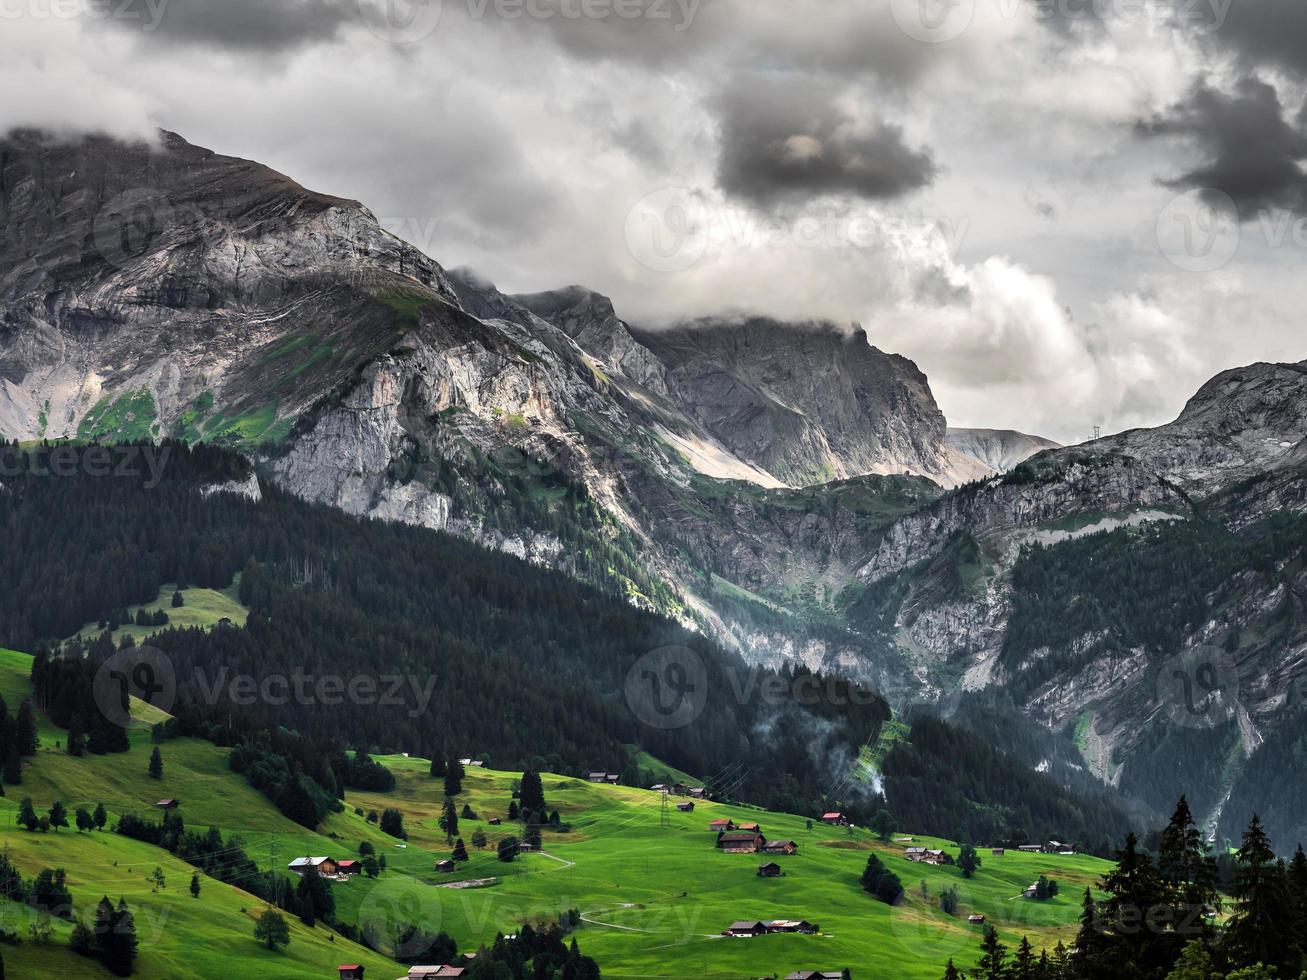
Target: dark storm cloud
238,25
1267,32
787,139
1249,148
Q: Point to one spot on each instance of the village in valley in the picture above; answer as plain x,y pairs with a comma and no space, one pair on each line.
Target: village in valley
650,871
729,836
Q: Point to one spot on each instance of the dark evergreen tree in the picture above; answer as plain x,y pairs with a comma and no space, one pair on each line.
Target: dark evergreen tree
454,778
25,733
1262,919
156,764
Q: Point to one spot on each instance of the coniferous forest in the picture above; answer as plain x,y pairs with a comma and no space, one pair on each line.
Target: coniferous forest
1174,910
515,665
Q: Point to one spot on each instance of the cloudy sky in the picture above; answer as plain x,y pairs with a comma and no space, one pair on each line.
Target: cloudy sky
1069,212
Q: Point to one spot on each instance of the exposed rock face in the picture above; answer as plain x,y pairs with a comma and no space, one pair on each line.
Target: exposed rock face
999,449
589,319
808,403
1242,422
168,273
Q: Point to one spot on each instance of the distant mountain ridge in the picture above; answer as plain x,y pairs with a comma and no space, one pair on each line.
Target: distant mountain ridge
999,449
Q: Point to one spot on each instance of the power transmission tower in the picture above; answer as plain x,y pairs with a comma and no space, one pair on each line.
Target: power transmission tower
664,816
276,878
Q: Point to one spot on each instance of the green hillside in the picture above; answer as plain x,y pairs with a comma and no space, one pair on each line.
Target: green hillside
203,608
654,891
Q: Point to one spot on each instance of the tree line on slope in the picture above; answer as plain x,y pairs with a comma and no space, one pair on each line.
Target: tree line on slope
520,662
1160,917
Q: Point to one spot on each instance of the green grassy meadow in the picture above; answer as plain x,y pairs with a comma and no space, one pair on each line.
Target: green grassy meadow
203,608
654,891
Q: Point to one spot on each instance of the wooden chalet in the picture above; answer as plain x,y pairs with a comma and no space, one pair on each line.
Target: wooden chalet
998,852
739,843
446,866
494,821
348,867
815,975
780,847
351,971
802,926
750,826
1030,849
686,807
720,825
834,819
597,777
435,972
168,804
976,920
745,930
770,870
322,865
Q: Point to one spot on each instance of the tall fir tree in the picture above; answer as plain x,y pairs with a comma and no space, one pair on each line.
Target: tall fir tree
1262,921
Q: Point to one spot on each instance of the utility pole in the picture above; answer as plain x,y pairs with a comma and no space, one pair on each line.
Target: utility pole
276,878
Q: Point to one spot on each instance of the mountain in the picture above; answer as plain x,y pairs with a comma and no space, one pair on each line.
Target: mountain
808,403
165,290
999,449
1090,582
787,489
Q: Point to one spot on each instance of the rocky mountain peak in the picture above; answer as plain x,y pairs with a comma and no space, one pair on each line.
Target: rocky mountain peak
808,402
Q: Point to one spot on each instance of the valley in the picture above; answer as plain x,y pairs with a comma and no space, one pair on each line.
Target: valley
654,892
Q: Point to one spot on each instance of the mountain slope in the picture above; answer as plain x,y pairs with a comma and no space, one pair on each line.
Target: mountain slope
165,290
999,449
1087,578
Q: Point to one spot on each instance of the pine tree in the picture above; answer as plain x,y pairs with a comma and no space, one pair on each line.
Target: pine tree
454,778
84,820
993,957
1024,965
968,860
25,734
532,792
195,885
460,850
448,821
1262,918
100,816
13,773
438,766
1188,872
115,937
271,930
58,815
951,972
27,814
156,764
